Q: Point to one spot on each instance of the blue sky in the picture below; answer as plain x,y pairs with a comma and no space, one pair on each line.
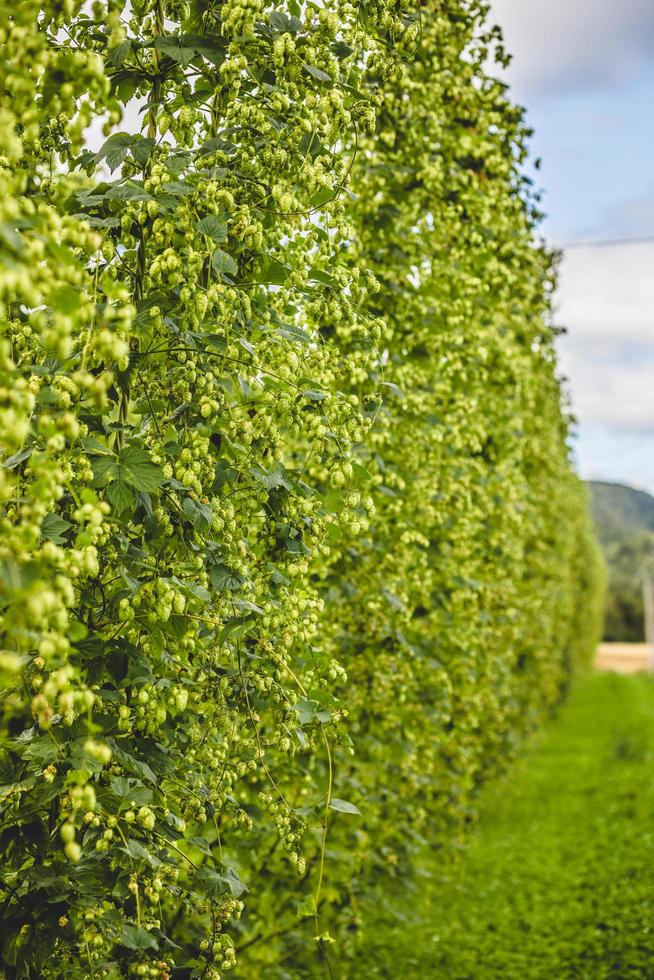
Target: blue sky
585,71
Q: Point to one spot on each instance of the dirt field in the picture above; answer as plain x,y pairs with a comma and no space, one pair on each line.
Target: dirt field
624,658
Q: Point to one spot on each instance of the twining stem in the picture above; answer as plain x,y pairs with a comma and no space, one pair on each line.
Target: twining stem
323,844
137,293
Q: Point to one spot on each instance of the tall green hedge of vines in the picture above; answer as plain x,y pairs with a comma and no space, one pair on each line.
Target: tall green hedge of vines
291,554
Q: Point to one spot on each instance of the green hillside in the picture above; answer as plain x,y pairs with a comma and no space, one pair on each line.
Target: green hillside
619,511
625,524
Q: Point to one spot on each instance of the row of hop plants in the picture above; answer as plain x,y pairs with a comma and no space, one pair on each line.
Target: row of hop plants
291,552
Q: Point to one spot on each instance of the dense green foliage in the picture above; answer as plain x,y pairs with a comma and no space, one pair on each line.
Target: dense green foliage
291,551
558,877
624,518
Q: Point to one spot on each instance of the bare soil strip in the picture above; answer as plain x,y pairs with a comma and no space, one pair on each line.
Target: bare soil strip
623,658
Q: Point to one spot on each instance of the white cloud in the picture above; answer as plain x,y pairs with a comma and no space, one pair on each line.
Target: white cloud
607,293
574,44
606,300
610,393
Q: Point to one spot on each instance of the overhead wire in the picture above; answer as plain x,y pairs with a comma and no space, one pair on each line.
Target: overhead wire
607,243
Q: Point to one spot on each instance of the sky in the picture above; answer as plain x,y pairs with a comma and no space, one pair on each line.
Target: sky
584,69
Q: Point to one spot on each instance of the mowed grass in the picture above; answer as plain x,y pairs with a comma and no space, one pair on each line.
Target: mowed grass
558,878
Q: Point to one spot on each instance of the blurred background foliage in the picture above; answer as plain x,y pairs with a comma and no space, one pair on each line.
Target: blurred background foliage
624,518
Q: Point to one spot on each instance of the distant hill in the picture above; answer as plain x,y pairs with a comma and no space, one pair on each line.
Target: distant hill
619,510
625,524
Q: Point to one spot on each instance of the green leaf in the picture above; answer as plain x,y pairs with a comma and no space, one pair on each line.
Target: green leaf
247,606
393,388
213,227
222,263
141,149
309,712
131,190
179,47
121,496
318,73
12,461
291,332
176,48
192,590
133,937
66,299
115,149
137,852
235,628
11,237
360,471
224,579
234,883
121,787
344,807
105,468
202,845
214,884
137,469
200,515
272,480
281,23
77,631
244,385
136,766
119,53
318,275
307,907
274,272
323,196
215,145
132,469
124,85
54,527
341,50
178,188
14,943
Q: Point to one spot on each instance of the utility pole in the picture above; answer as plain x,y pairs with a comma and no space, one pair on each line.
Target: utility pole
648,609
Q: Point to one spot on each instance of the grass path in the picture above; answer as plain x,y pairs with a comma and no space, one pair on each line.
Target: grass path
558,879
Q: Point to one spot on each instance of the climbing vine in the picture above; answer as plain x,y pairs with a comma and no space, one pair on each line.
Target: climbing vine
290,549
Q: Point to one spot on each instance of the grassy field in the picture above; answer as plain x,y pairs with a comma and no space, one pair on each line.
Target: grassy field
558,879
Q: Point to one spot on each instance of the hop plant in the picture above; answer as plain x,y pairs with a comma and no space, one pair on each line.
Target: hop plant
288,534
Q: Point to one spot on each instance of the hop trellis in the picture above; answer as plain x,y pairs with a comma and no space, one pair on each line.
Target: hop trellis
291,552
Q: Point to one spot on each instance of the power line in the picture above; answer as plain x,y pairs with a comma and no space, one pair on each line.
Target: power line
608,242
613,400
